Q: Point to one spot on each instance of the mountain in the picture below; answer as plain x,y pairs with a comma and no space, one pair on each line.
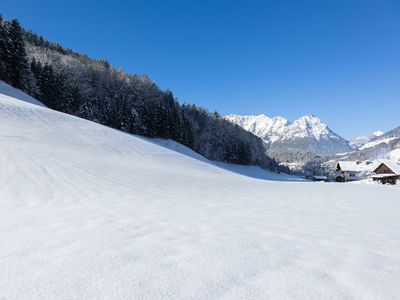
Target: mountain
382,146
293,142
362,140
269,129
90,212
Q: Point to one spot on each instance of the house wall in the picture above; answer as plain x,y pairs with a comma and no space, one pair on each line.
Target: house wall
383,169
350,176
388,180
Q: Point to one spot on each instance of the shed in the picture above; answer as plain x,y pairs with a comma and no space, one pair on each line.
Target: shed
320,178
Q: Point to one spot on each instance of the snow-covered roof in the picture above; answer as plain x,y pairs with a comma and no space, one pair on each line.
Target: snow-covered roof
320,177
357,166
383,175
392,165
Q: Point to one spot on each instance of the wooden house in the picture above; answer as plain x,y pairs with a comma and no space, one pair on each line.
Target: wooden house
387,172
353,170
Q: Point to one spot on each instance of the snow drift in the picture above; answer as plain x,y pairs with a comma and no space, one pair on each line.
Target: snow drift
88,212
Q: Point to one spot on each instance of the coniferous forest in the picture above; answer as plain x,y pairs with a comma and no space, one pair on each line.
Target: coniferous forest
93,89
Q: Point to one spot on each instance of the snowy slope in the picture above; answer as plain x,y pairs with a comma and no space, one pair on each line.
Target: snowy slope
376,142
390,138
362,140
379,147
307,133
88,212
7,90
394,155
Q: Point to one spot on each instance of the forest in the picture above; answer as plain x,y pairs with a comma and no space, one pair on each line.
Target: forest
93,89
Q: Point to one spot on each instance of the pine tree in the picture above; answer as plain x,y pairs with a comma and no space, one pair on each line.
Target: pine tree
3,37
50,85
16,59
36,69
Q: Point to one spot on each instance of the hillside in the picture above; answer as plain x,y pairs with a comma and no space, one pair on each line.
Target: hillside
384,145
362,140
93,89
90,212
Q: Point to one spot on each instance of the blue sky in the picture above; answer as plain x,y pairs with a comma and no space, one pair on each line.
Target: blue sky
339,60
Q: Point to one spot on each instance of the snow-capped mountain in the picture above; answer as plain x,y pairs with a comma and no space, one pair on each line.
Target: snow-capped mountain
385,145
362,140
306,134
390,138
269,129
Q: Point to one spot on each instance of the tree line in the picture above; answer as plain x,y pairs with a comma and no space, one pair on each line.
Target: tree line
93,89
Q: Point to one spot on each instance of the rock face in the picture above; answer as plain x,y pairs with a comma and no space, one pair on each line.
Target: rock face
305,135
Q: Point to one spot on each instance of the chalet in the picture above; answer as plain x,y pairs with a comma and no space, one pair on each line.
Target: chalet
387,172
353,170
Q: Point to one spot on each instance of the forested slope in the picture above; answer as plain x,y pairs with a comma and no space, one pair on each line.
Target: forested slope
93,89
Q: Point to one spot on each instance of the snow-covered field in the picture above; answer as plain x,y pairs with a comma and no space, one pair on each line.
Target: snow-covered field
88,212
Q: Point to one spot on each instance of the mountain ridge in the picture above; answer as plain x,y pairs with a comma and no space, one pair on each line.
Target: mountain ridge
360,141
307,133
385,145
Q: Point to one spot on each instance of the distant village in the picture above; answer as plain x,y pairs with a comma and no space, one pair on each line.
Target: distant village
380,171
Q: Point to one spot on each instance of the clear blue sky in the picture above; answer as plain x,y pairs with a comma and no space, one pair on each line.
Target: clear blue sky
339,60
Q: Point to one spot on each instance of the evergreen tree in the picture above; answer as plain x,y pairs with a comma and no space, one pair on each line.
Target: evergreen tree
3,49
16,59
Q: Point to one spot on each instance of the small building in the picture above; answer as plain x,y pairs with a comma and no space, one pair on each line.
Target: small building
353,170
387,172
320,178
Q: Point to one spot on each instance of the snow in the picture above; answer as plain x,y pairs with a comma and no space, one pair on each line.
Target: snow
382,175
307,133
377,133
270,129
279,128
320,177
374,143
358,166
88,212
9,91
394,155
310,125
362,140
